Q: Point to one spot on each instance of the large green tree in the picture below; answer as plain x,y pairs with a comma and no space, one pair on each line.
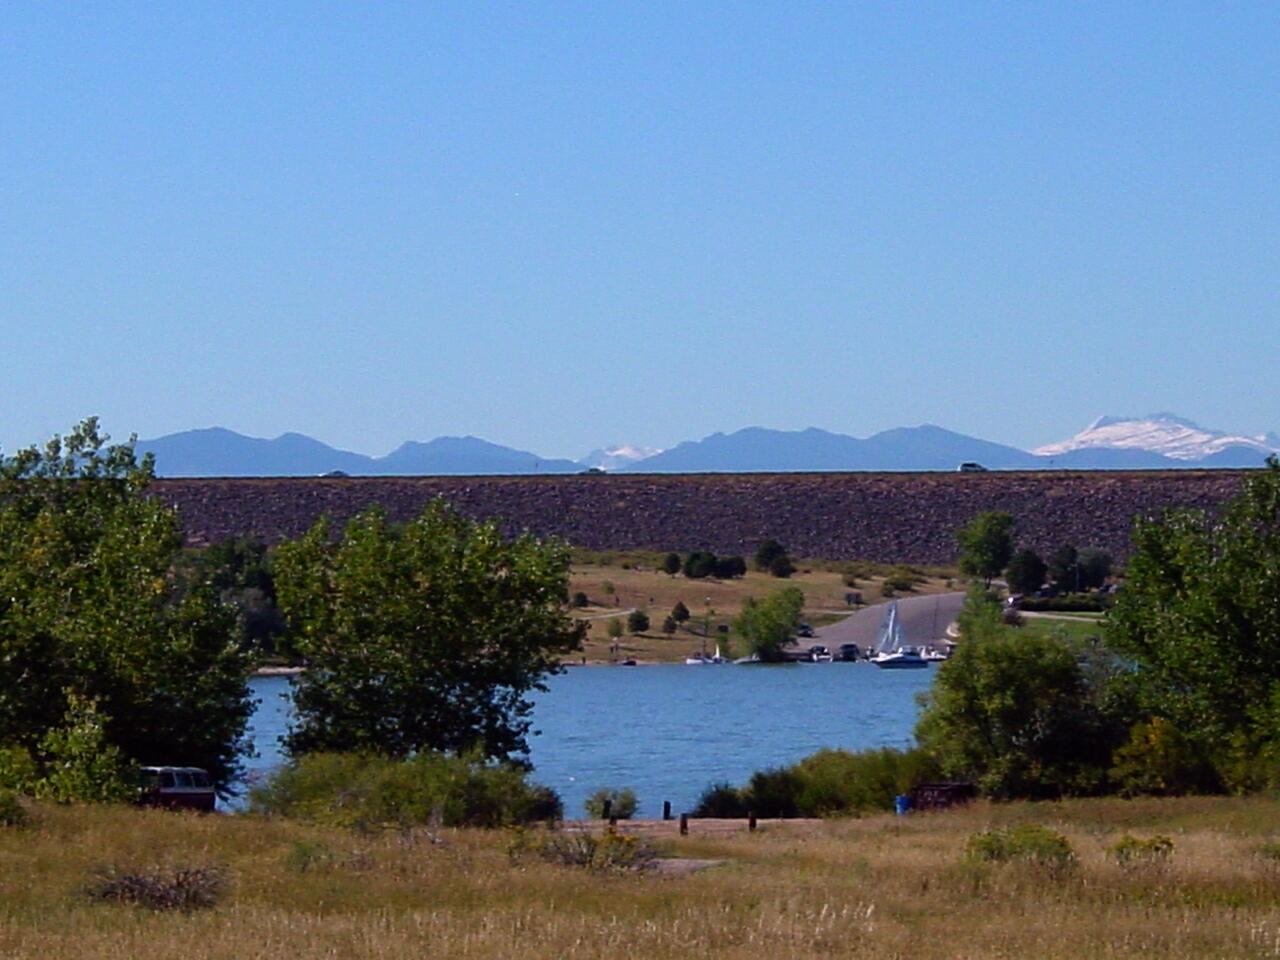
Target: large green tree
767,626
91,613
986,545
427,635
1199,616
1015,711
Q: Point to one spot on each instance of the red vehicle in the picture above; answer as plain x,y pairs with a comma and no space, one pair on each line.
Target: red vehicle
178,788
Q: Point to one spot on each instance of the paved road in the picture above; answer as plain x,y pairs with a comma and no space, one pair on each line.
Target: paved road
924,620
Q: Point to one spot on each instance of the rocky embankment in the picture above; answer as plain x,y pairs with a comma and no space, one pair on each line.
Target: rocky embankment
910,518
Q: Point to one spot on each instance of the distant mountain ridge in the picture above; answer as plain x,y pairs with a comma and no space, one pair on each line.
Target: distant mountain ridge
1159,441
218,452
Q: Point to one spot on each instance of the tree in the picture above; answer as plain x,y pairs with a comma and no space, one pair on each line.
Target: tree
239,570
637,621
729,568
700,564
1199,617
96,633
767,626
986,545
671,564
1095,567
669,625
781,567
426,636
767,552
680,613
1014,711
615,629
1026,572
1064,568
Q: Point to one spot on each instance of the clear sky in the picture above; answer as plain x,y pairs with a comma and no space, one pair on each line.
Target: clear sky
560,225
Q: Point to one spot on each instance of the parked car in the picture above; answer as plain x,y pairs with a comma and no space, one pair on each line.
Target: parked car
970,466
804,630
848,652
185,788
819,654
1014,600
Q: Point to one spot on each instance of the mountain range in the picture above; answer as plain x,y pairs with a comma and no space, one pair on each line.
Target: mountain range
1156,441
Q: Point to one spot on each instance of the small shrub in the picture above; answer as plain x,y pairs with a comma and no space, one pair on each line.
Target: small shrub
637,621
18,769
622,803
849,580
669,625
1026,842
580,599
305,857
12,812
610,850
887,589
608,589
1269,853
177,888
1133,853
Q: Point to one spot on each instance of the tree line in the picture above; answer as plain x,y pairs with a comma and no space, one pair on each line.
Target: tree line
119,648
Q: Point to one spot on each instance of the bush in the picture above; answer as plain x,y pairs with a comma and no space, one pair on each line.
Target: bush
12,812
637,621
609,851
679,613
781,567
669,625
730,568
580,599
1132,853
1158,760
722,801
1027,842
622,803
180,888
351,789
700,564
18,770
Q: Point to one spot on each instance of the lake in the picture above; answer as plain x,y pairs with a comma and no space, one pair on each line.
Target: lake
667,731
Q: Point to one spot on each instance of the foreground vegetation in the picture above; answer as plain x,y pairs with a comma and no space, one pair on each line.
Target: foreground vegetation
875,888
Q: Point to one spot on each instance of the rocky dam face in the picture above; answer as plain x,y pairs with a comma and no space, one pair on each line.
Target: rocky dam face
884,517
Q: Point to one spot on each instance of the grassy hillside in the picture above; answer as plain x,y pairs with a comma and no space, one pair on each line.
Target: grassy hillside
635,582
874,888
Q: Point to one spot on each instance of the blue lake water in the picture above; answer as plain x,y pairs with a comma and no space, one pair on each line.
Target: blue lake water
667,731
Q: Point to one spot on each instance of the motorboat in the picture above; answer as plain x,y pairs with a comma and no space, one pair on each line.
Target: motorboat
890,652
698,659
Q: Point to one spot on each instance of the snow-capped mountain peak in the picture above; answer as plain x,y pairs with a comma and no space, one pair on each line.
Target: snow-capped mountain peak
617,456
1163,433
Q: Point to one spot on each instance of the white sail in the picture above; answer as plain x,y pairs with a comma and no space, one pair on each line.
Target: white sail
889,639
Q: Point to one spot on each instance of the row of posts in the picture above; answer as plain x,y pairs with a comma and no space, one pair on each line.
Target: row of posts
607,814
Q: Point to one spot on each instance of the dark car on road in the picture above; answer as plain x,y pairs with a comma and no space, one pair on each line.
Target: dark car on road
848,652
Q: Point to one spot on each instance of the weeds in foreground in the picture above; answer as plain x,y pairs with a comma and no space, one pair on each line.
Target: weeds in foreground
176,888
12,812
1132,853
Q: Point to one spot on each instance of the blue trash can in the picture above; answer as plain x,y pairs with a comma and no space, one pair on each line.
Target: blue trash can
902,804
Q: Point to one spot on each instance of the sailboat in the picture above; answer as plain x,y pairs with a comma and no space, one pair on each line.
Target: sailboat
889,652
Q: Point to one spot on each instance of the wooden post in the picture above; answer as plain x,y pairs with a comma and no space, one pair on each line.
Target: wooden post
606,809
666,809
684,824
751,821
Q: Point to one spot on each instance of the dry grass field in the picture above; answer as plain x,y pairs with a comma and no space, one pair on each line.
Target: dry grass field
873,888
618,582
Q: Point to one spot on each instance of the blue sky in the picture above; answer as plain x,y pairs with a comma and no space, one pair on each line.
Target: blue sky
557,225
